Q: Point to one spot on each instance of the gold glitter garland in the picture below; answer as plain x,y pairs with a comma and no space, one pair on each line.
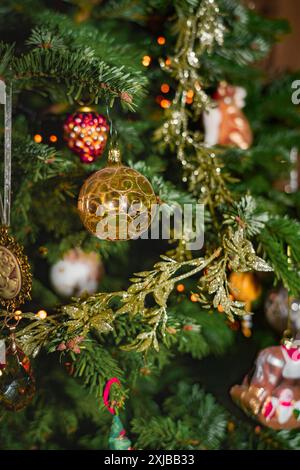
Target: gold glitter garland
198,32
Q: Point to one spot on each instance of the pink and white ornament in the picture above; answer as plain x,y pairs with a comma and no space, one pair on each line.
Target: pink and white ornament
77,273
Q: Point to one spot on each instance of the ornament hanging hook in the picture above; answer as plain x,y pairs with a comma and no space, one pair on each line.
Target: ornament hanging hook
106,394
113,133
11,322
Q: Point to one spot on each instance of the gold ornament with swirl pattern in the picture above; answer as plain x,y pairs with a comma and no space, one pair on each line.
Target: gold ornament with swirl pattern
117,202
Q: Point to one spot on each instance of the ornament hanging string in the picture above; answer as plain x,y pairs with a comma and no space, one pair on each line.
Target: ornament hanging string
293,187
112,130
287,334
6,100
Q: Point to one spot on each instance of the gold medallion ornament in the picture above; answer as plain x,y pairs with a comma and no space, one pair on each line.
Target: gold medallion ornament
15,275
117,202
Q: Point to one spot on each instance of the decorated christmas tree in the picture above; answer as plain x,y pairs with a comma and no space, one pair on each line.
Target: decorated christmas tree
117,117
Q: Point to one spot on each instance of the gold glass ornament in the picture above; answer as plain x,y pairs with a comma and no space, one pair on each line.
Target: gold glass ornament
117,202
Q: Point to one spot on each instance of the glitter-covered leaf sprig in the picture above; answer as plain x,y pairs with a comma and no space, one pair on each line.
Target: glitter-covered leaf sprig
157,284
98,312
238,255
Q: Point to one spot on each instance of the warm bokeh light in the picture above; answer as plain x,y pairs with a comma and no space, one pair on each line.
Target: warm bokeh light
230,426
146,61
188,328
86,109
247,332
161,40
168,61
165,103
53,138
159,99
195,298
189,96
165,88
180,288
38,138
18,315
43,250
42,314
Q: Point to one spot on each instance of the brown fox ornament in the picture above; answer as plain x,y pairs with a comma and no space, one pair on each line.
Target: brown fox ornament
226,124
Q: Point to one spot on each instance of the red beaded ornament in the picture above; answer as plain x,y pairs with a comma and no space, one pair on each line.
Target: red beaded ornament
86,133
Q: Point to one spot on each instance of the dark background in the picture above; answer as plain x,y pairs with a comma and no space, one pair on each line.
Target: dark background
286,54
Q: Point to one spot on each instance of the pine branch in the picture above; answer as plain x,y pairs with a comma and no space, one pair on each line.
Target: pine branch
196,331
279,234
194,421
80,72
95,366
6,56
160,432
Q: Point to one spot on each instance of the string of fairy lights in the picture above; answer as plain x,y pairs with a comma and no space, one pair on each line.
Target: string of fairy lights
162,99
38,138
41,314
